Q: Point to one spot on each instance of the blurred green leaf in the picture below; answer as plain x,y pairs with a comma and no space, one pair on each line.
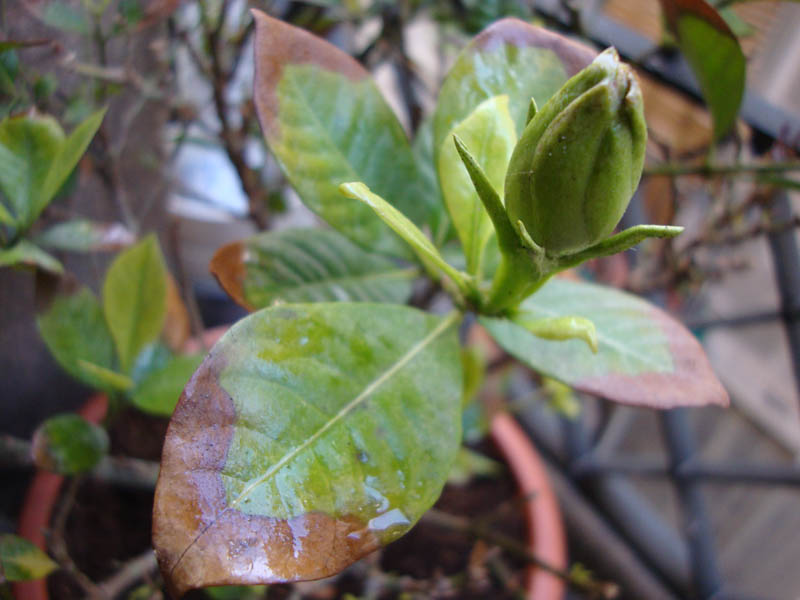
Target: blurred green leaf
74,330
66,17
135,299
26,253
68,444
36,158
82,235
107,379
236,592
469,465
21,560
44,87
713,53
158,392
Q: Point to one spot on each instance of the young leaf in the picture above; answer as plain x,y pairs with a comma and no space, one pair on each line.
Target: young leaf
36,158
311,435
489,133
470,464
74,330
68,444
21,560
713,53
107,379
509,57
327,123
645,357
305,265
25,253
134,299
81,235
421,245
159,390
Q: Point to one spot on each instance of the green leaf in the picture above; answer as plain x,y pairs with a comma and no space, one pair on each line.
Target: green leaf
135,299
421,245
159,390
489,133
422,148
327,123
28,148
66,17
307,265
469,465
509,57
310,436
21,560
68,444
645,357
69,154
714,55
107,379
82,235
74,330
5,216
25,253
36,158
559,328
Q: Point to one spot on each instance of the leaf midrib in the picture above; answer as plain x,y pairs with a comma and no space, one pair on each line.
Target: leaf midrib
442,327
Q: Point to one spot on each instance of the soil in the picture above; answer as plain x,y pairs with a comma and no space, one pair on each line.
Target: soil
109,525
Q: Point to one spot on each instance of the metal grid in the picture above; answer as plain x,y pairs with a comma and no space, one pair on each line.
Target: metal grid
662,569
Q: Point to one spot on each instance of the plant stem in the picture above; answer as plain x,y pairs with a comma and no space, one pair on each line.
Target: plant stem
125,471
596,588
709,170
130,573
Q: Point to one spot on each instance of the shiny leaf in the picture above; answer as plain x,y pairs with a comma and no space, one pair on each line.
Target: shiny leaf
26,253
311,435
81,235
307,265
559,328
68,444
327,123
509,57
713,53
488,132
134,299
645,357
159,390
74,330
21,560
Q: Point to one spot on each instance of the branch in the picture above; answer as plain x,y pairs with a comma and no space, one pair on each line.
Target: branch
118,470
710,170
130,573
595,588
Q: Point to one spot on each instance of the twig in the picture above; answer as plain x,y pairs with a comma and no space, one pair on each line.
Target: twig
601,589
709,170
133,571
58,543
118,470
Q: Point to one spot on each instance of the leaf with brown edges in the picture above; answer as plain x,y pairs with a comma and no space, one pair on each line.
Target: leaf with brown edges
311,435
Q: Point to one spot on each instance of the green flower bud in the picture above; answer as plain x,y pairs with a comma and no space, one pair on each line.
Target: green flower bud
579,160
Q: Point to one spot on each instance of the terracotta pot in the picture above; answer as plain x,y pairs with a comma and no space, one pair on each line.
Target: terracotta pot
546,538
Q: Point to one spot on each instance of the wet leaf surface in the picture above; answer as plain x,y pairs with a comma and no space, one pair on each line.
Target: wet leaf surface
310,436
645,357
327,123
298,265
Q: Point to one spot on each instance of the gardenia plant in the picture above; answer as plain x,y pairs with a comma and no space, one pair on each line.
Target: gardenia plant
323,425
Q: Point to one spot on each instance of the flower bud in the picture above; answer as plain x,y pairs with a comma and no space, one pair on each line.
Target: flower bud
579,159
